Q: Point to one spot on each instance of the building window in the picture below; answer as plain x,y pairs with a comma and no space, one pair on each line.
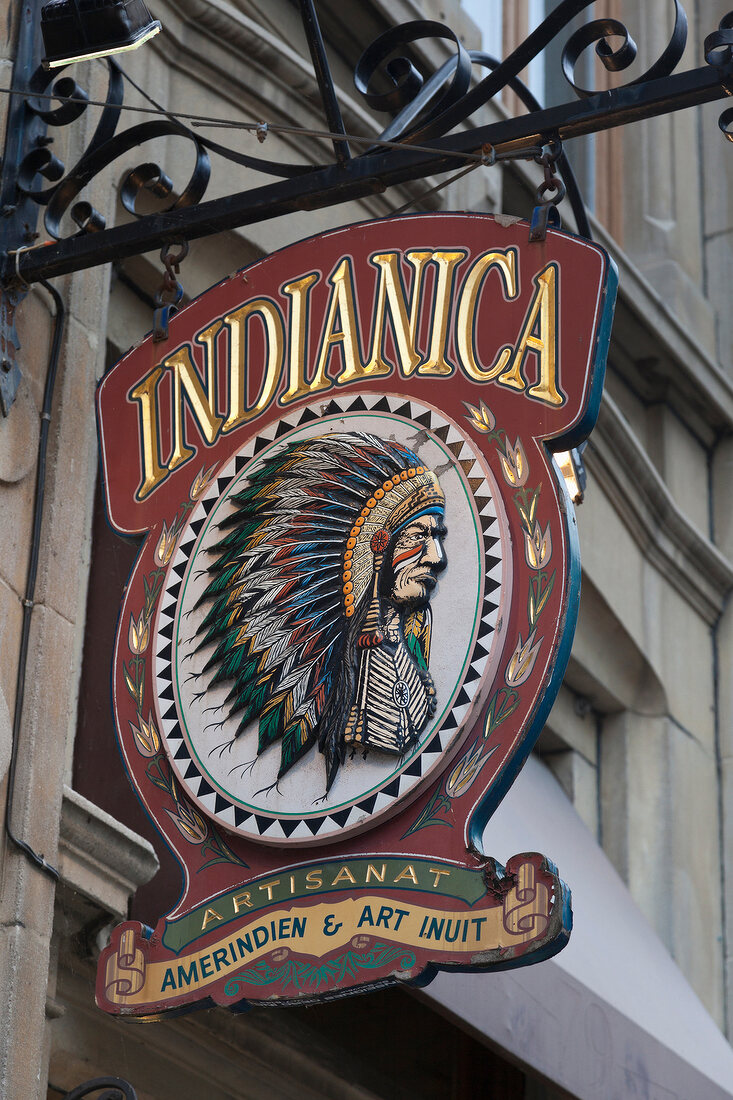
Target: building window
488,18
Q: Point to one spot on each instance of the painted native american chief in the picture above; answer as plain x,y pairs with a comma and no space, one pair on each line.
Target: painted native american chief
319,599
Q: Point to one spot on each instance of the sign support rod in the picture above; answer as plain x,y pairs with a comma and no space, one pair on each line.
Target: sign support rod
370,174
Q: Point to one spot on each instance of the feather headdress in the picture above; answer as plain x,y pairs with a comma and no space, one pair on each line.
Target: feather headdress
292,581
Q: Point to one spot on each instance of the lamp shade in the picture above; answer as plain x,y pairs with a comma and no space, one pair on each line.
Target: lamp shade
75,30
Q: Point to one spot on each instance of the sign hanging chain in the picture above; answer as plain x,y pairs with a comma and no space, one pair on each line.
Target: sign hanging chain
170,291
549,194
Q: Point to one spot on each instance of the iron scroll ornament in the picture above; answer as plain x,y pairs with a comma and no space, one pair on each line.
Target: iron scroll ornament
108,1088
108,146
430,109
427,107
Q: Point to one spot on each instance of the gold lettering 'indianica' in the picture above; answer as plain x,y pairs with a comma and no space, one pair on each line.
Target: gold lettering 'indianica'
391,308
298,385
436,361
542,314
431,313
145,393
505,263
186,383
271,318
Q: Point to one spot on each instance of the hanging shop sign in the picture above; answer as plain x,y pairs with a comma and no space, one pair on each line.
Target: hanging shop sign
353,606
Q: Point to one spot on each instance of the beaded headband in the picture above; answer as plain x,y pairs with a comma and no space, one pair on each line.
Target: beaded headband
401,497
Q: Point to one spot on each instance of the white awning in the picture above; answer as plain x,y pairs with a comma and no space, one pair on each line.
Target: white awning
611,1017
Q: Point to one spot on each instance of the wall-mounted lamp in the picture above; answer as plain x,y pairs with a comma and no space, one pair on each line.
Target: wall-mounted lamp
78,30
573,471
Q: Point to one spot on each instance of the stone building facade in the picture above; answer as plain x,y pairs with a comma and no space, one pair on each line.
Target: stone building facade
632,777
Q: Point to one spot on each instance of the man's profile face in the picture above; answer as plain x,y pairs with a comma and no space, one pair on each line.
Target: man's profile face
418,557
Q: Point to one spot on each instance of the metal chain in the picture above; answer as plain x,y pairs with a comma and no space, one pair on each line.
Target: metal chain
171,261
549,194
170,291
552,188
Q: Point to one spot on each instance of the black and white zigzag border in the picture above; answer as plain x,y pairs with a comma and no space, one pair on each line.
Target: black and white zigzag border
320,824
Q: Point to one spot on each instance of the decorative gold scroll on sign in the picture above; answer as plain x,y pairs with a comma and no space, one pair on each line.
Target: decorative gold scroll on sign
317,930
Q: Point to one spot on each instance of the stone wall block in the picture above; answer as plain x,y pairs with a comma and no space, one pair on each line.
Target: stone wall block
634,797
657,156
48,712
719,267
725,683
24,959
15,530
659,805
682,295
86,292
100,859
613,792
65,534
11,620
579,780
631,407
35,325
725,700
722,506
610,557
26,905
573,726
6,736
19,433
694,891
608,665
647,821
660,158
727,837
719,272
717,208
686,657
682,463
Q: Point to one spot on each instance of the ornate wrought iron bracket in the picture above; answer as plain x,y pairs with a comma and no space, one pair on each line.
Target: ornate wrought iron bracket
108,1088
420,141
